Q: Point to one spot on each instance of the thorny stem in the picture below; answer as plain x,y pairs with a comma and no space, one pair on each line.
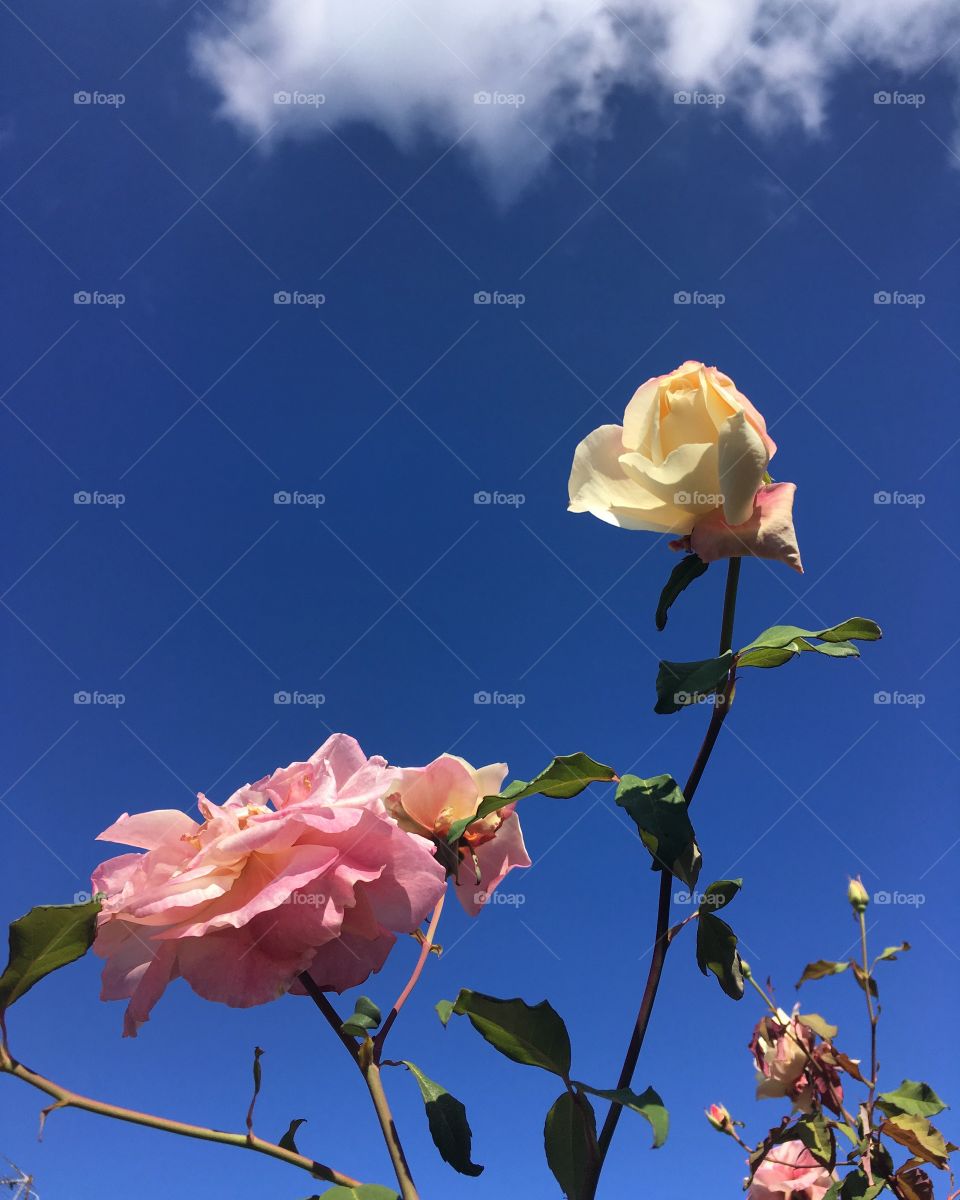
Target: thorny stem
64,1098
662,938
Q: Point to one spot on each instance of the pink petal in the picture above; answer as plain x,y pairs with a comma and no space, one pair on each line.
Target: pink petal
495,858
769,532
149,830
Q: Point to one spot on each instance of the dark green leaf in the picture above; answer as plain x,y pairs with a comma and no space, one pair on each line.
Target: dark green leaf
719,894
856,1186
534,1035
46,938
566,776
288,1141
717,952
820,970
365,1016
569,1137
648,1104
689,568
915,1099
448,1123
682,683
659,810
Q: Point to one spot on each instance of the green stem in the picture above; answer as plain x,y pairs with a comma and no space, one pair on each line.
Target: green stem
64,1098
371,1074
873,1017
662,937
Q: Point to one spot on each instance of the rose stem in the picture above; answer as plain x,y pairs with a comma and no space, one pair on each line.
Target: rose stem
425,949
662,937
63,1098
874,1017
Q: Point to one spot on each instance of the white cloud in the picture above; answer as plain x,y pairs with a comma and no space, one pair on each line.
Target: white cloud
414,67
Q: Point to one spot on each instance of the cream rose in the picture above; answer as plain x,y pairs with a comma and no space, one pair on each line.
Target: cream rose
690,459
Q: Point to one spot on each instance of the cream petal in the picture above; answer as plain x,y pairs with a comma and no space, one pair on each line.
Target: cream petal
741,462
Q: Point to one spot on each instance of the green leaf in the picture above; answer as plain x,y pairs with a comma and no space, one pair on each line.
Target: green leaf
363,1191
448,1123
566,776
648,1104
683,683
47,937
865,981
819,1026
776,656
818,1138
780,643
891,952
919,1136
689,568
856,1186
288,1141
820,970
915,1099
365,1016
717,952
531,1034
719,894
569,1137
659,811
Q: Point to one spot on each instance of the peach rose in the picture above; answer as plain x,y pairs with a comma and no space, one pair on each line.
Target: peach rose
690,459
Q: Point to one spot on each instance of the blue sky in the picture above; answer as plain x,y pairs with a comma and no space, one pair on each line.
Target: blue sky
396,598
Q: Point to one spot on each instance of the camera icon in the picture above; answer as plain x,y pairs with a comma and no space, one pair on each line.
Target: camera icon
682,498
882,97
82,498
481,297
481,97
681,297
82,297
281,697
482,497
882,497
282,297
282,497
482,697
282,97
81,97
681,97
82,697
881,897
882,297
881,697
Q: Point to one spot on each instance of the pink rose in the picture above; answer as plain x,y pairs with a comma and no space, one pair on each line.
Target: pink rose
790,1172
690,459
430,799
303,871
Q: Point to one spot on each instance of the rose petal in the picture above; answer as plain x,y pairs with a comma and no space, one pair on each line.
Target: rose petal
494,860
742,463
768,533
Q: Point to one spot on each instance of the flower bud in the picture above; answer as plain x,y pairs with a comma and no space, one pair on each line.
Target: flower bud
719,1118
857,895
745,969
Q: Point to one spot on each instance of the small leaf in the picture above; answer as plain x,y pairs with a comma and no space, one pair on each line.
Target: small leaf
365,1016
565,777
659,810
866,981
47,937
857,629
569,1138
717,952
719,894
448,1123
776,656
820,970
891,952
288,1141
919,1136
689,568
913,1183
819,1026
915,1099
683,683
531,1034
648,1104
363,1191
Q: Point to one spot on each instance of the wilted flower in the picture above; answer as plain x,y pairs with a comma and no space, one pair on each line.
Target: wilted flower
793,1062
790,1172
